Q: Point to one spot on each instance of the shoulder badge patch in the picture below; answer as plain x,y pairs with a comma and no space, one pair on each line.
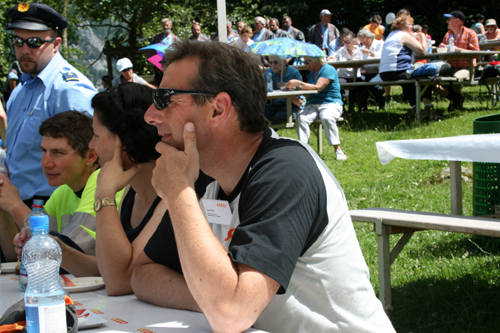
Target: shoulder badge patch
70,76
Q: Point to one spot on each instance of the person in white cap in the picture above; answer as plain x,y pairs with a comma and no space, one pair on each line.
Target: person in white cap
124,66
323,32
492,32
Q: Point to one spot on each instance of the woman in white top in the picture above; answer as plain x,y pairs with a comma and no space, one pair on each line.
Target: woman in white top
397,58
245,40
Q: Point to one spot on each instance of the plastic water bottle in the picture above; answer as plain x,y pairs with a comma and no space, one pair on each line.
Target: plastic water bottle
2,158
37,210
269,81
360,52
429,45
44,297
451,44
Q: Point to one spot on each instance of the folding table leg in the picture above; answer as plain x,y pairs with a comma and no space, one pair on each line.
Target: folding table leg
384,266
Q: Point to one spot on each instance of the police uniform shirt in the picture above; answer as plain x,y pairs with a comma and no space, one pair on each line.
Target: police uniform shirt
59,87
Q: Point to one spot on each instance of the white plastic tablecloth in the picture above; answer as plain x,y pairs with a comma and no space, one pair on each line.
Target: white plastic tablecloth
472,148
123,313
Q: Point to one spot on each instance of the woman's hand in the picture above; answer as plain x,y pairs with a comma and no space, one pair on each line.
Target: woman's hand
112,177
292,84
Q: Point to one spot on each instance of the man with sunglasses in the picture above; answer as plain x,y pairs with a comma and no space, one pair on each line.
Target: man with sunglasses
275,111
272,244
49,85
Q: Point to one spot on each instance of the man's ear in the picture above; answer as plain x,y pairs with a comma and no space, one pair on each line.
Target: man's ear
57,42
91,157
222,104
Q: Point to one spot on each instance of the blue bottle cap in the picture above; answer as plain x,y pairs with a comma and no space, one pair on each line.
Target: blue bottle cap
37,202
39,221
0,142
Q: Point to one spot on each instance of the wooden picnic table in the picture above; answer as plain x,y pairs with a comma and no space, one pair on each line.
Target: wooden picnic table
489,44
470,148
288,94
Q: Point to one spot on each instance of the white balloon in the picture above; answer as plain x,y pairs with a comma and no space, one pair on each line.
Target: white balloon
389,18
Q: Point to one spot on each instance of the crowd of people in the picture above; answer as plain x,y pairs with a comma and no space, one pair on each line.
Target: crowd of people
141,168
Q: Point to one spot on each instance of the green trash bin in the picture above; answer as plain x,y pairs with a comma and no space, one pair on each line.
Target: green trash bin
486,183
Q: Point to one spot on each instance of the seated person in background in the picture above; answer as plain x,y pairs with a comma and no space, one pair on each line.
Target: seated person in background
478,25
420,36
284,257
325,105
375,27
372,49
492,32
275,111
337,43
125,144
465,39
68,163
245,40
125,67
425,31
348,52
396,59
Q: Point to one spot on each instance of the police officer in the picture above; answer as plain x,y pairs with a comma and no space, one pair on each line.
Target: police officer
49,85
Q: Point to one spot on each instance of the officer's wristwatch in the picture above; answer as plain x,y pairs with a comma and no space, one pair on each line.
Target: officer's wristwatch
99,203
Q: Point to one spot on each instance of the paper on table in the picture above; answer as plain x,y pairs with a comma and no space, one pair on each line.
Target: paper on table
472,148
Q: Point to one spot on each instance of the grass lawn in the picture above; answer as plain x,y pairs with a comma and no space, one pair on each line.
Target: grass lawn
441,282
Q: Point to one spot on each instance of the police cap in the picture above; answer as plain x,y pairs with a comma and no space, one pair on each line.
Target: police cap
37,17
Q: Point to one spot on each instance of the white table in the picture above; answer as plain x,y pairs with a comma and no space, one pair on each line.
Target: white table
288,94
469,148
123,313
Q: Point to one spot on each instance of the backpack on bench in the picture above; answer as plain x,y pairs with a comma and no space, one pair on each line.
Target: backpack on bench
491,70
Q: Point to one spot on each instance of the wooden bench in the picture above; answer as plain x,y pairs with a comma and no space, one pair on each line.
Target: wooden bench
391,221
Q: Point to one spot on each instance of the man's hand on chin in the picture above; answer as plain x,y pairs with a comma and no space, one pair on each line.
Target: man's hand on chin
176,170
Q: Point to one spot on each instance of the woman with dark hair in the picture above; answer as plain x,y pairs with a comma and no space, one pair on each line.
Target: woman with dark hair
478,26
125,144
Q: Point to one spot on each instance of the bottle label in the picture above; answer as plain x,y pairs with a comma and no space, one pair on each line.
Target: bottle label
46,319
22,270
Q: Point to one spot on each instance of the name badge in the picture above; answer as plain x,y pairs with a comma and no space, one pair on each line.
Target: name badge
217,211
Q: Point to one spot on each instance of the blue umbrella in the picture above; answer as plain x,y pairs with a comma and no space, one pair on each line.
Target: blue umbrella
154,53
286,47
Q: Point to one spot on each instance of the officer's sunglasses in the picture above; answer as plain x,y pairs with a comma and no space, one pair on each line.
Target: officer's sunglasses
161,96
32,42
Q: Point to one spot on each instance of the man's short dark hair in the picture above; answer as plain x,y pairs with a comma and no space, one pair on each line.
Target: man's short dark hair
376,19
224,68
75,126
121,110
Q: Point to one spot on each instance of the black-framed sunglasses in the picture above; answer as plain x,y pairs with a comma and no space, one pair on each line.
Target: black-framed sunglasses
161,96
307,62
274,62
32,42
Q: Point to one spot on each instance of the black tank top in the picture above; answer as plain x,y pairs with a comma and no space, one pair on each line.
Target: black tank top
127,204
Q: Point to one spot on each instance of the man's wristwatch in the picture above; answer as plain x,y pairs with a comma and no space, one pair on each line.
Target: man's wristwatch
300,85
99,203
